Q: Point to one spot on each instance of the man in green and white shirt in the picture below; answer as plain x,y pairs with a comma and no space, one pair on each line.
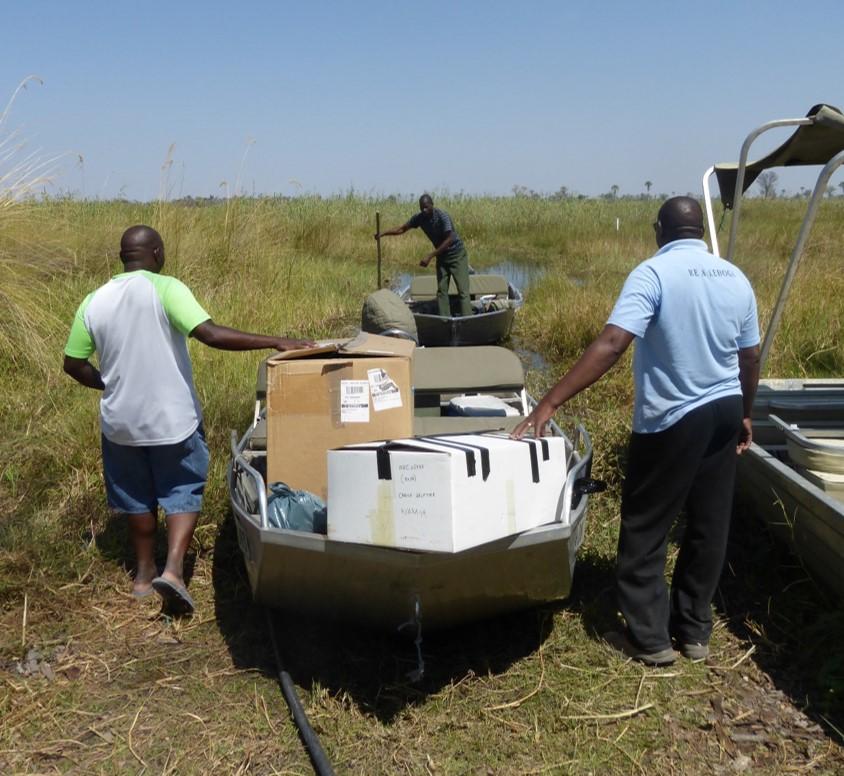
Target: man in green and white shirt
154,451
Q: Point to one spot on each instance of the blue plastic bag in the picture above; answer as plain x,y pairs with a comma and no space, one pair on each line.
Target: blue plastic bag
297,510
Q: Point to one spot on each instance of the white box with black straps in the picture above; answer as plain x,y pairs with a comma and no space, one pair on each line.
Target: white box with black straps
444,493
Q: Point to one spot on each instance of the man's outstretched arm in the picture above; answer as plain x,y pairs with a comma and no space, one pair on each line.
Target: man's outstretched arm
225,338
396,230
595,362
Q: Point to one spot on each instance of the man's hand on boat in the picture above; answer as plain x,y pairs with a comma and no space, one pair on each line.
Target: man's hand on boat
427,260
745,436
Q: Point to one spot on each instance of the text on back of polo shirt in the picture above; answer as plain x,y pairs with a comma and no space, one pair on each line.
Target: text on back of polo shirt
711,273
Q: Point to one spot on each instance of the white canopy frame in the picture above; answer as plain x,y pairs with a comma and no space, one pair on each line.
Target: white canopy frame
808,219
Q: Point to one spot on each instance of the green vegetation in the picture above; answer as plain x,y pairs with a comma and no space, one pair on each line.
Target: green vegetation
109,686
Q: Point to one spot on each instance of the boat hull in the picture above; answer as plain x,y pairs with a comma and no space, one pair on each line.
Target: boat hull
809,520
798,513
385,588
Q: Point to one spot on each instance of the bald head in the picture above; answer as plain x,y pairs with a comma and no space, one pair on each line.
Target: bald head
679,218
142,247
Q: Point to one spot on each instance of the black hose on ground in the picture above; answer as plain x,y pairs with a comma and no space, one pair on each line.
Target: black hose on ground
319,760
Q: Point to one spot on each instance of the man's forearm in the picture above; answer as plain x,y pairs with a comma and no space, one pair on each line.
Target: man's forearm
84,372
443,246
748,377
225,338
596,361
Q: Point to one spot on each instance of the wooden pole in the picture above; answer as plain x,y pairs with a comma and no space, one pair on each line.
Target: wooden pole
378,241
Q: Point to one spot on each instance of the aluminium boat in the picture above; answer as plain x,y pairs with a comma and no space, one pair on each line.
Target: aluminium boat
386,587
494,304
791,477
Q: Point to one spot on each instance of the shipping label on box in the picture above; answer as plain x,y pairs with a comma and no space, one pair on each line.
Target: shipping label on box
445,493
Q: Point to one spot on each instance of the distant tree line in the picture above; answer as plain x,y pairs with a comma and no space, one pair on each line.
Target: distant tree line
767,184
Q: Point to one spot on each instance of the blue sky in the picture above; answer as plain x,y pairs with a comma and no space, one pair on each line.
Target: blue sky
394,97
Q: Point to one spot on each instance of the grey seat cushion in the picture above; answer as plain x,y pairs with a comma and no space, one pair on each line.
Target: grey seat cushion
259,435
484,368
427,426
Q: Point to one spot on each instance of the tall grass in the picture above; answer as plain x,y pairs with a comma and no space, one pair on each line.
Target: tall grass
303,267
26,259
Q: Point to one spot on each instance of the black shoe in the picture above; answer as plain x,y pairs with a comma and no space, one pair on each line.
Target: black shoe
620,642
694,650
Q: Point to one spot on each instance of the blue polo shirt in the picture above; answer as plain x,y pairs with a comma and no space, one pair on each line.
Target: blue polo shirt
690,312
436,228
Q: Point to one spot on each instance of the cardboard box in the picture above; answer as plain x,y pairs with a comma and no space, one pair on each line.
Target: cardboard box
339,393
443,494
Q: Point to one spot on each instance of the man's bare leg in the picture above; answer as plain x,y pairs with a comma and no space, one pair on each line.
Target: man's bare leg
142,532
180,529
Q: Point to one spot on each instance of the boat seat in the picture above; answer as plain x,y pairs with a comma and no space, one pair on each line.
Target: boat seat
424,287
259,435
261,381
819,450
831,484
480,369
807,408
445,424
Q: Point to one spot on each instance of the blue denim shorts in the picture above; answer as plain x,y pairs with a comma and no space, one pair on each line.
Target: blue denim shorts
139,479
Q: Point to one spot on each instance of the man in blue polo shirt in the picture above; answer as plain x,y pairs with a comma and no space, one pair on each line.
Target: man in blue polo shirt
449,251
696,366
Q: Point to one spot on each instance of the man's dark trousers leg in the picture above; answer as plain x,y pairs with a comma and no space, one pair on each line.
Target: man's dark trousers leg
458,268
692,463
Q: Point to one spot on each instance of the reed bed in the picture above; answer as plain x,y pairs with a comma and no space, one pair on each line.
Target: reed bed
537,693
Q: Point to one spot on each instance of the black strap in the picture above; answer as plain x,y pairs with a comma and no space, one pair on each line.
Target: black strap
384,466
534,458
471,469
484,451
382,458
546,453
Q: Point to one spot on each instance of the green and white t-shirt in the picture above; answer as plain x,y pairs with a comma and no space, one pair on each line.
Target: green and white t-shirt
138,324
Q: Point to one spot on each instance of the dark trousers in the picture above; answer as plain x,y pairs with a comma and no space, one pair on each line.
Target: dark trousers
691,464
456,267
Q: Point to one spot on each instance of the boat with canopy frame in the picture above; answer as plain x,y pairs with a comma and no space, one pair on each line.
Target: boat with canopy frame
802,505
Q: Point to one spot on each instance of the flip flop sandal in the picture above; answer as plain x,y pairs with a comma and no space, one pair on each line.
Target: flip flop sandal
173,594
